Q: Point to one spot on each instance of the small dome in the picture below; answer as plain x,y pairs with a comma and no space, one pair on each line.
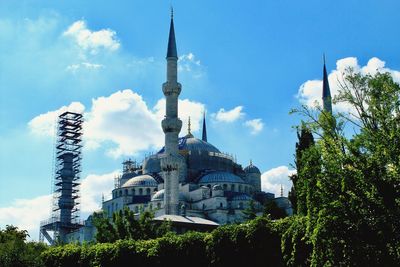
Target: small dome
252,169
217,187
128,175
159,195
141,180
220,177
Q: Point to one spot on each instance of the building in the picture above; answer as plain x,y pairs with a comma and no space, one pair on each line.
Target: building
189,181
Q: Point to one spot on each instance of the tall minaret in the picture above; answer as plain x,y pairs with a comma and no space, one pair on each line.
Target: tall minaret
204,135
172,161
326,92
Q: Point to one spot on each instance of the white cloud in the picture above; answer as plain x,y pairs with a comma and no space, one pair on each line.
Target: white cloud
26,214
230,115
92,40
124,119
87,65
255,125
272,180
189,63
93,187
43,125
310,92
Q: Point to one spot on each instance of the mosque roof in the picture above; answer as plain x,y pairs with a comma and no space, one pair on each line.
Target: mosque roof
241,197
191,143
159,195
220,177
141,180
252,169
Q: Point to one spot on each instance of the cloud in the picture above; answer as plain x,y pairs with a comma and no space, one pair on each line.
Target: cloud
190,64
272,180
229,115
26,214
255,125
43,125
122,119
93,188
310,92
92,41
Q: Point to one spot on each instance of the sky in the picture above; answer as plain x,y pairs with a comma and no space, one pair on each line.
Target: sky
246,64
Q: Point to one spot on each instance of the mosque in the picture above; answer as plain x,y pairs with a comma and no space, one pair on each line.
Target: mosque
189,181
189,176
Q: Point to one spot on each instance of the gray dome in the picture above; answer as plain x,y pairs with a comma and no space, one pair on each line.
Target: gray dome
194,144
159,195
142,180
128,175
220,177
252,169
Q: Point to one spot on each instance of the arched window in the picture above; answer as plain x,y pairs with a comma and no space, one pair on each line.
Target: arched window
148,191
209,186
240,188
221,205
232,187
159,205
120,193
225,186
126,192
133,191
140,191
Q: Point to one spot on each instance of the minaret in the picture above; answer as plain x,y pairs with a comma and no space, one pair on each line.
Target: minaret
204,135
171,162
326,92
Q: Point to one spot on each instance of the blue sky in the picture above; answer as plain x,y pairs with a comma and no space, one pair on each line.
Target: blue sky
247,64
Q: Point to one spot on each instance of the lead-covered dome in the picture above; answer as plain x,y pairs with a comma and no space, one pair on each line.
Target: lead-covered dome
141,180
220,177
252,169
195,144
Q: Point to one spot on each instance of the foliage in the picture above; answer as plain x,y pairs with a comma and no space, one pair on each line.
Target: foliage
124,225
352,185
250,212
15,251
275,212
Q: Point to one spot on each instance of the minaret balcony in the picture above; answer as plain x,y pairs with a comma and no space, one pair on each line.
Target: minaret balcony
171,125
171,88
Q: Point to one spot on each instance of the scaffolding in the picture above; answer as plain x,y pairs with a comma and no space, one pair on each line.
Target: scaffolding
66,181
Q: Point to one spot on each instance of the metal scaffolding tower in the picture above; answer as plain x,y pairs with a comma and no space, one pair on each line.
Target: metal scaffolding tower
65,210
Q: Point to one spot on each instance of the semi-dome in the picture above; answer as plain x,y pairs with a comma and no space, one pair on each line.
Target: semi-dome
141,180
220,177
159,195
252,169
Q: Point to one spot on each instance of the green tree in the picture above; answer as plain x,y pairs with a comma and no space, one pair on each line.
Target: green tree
250,212
352,184
275,212
15,251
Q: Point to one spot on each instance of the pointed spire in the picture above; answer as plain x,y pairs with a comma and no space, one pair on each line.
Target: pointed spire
326,91
204,135
189,126
281,190
251,162
171,52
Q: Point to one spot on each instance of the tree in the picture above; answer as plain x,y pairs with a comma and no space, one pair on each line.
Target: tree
124,225
353,184
274,211
15,251
250,212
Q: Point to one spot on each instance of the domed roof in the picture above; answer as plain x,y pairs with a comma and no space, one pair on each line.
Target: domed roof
128,175
141,180
195,144
220,177
160,196
252,169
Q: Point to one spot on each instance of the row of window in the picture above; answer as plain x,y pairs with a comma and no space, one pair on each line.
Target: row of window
235,188
133,192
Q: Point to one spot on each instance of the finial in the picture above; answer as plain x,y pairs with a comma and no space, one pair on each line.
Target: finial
281,190
323,57
251,162
102,197
172,12
189,126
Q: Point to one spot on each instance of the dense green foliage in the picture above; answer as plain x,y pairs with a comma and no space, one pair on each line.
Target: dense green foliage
348,189
124,226
15,251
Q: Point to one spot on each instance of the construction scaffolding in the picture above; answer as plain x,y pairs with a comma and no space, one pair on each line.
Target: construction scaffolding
66,181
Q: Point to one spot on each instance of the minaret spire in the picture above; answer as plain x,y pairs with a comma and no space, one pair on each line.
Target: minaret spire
204,135
172,163
326,91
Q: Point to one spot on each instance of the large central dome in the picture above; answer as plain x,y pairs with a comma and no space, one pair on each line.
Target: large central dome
195,144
